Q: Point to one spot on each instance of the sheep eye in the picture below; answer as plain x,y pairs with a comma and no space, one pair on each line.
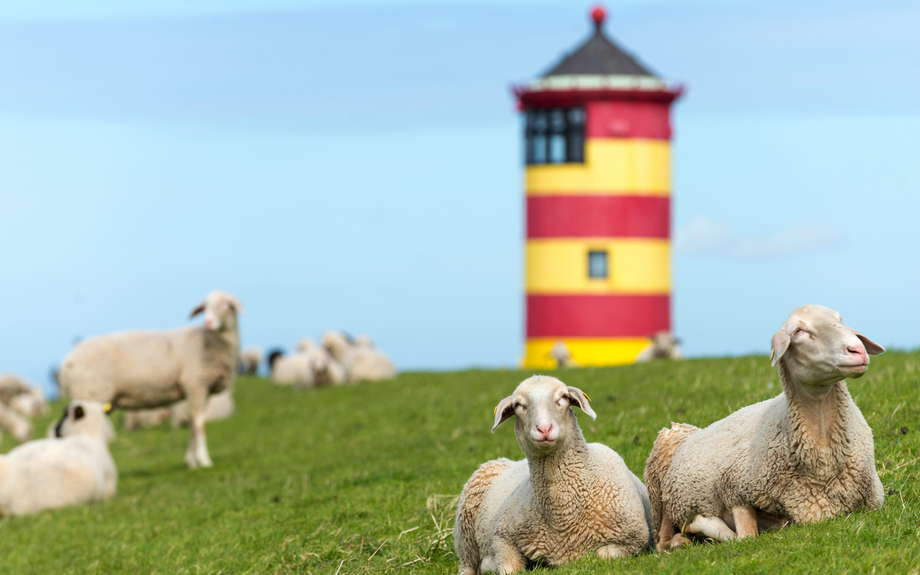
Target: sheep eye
520,406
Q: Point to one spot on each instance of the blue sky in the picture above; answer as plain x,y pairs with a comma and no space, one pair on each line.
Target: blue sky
357,165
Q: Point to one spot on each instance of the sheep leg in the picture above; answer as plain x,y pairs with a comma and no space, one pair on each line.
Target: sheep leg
612,552
197,453
745,521
507,559
712,527
201,447
665,533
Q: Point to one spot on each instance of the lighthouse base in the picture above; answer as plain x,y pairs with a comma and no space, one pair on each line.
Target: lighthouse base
584,351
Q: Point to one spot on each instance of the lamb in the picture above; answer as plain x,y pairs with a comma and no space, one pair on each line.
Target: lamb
73,468
249,360
804,456
361,363
566,499
144,369
561,355
663,346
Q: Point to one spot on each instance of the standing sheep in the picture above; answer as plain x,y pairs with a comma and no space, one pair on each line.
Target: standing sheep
567,499
249,360
361,362
142,369
804,456
74,467
663,346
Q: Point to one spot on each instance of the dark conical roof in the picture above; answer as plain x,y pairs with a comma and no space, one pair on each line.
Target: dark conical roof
599,56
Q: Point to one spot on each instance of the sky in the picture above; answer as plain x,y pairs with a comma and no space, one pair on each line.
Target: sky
357,165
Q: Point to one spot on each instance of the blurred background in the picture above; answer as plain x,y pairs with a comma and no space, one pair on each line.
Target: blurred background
358,165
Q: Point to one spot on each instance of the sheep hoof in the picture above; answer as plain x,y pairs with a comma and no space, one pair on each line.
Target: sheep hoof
191,461
611,552
679,540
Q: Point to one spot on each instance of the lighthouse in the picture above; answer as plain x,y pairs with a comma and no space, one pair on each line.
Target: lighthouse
598,205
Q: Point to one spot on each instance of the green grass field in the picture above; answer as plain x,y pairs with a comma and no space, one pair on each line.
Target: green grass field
362,479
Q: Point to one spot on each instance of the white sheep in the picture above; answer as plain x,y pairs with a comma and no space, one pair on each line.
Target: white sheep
293,369
31,403
250,359
804,456
361,363
326,369
220,406
73,468
561,354
12,421
143,369
663,345
141,418
567,499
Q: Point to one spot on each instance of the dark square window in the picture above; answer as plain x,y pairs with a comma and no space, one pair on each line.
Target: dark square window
597,264
555,136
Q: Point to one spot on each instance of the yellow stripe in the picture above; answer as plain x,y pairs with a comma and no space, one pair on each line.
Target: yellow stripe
585,351
635,266
630,166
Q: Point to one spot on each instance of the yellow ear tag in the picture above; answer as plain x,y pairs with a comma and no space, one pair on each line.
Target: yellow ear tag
107,407
495,410
586,395
772,353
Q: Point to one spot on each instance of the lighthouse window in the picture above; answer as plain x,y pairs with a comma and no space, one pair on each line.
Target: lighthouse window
597,264
555,135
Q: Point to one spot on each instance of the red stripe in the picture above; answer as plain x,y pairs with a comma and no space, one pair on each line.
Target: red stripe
610,119
597,315
598,216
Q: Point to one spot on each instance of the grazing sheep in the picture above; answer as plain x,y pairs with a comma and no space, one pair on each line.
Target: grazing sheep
804,456
567,499
143,369
361,363
142,418
219,406
562,356
663,346
31,404
249,360
74,467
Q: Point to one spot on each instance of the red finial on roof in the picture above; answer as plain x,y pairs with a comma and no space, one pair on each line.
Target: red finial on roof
598,14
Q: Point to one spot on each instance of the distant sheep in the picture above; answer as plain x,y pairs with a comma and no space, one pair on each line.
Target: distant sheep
73,468
663,346
361,363
249,360
804,456
561,355
567,499
144,369
220,406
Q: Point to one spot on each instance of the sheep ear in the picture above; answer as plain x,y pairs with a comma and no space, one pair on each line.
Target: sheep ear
236,304
872,348
579,398
780,344
503,411
197,310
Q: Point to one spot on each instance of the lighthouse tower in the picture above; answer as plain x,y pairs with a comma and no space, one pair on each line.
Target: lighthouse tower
598,189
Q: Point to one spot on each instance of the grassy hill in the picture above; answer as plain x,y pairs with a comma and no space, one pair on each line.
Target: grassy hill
362,479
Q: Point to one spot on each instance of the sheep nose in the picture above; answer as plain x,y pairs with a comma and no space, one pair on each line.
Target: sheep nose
858,350
545,429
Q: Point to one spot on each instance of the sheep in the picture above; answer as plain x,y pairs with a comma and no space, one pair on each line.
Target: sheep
12,421
74,467
566,499
663,345
11,386
326,369
561,355
219,406
294,369
249,360
140,418
143,369
361,363
31,404
804,456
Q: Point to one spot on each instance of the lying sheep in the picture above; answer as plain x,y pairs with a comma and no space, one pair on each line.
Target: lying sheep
567,499
326,369
11,386
31,403
295,369
249,360
361,363
143,369
18,425
142,418
804,456
73,468
663,345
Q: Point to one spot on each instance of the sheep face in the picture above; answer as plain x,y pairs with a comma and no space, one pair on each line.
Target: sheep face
83,418
220,309
819,350
543,418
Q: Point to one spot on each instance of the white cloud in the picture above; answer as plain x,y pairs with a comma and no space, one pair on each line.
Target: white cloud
704,236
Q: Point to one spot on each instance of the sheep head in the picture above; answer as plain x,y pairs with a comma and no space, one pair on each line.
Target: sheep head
84,418
220,309
819,350
544,419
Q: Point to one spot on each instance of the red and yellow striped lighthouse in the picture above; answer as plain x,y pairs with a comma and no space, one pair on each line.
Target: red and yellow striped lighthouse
598,189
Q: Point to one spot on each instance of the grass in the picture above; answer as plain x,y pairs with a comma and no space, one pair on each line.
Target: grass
363,479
